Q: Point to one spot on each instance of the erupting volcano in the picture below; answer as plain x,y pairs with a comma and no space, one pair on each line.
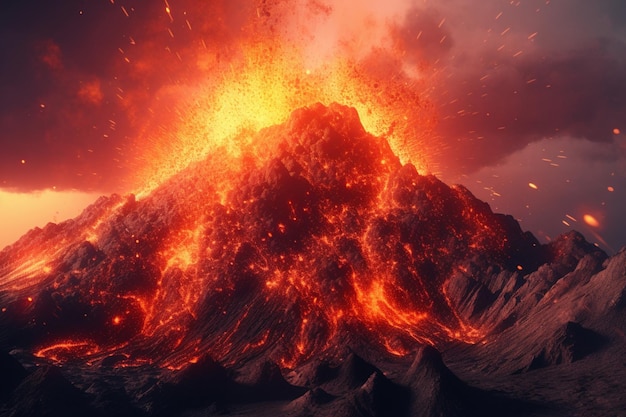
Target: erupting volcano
314,255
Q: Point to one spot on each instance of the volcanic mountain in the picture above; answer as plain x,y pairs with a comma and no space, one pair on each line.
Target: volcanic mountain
308,273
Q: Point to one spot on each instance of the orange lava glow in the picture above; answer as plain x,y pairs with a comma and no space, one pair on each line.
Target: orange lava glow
262,86
160,281
184,256
167,266
61,352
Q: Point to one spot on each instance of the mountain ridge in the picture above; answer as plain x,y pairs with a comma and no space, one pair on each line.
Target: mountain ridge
313,243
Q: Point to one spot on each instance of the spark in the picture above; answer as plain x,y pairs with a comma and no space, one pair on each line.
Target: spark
533,186
616,131
591,221
168,10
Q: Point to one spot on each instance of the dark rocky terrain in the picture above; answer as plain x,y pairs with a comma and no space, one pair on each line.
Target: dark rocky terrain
313,274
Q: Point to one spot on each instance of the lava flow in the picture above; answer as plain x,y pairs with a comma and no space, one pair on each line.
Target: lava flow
317,237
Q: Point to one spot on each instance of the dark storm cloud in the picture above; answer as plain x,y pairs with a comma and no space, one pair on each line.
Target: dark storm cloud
489,112
422,37
81,80
511,73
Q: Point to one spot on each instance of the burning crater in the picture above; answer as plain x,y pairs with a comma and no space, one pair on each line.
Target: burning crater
311,244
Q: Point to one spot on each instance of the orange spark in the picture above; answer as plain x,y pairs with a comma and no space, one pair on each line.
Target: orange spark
533,186
591,221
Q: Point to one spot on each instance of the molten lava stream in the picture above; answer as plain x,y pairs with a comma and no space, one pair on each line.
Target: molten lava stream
315,239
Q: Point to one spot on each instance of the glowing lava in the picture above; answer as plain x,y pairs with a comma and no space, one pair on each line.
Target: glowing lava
263,86
315,238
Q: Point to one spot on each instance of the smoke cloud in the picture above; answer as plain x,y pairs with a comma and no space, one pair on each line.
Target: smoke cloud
89,90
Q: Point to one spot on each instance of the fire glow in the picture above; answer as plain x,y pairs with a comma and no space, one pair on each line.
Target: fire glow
262,92
267,74
313,225
326,237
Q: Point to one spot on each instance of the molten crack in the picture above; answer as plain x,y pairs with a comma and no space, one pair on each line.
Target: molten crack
324,240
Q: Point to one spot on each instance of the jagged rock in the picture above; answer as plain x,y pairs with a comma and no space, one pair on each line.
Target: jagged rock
351,373
12,374
46,393
200,384
381,398
311,403
112,400
570,343
435,390
265,382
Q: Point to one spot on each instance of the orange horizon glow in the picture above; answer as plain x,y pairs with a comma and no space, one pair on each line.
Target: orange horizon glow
20,212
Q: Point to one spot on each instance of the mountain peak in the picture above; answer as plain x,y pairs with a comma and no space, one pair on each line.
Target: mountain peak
324,238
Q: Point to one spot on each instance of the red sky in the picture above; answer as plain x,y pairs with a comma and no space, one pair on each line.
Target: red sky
529,91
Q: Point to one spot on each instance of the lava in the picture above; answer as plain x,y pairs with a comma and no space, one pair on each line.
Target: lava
319,237
227,92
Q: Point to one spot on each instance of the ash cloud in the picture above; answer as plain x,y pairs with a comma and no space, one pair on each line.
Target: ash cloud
83,85
421,38
577,93
506,75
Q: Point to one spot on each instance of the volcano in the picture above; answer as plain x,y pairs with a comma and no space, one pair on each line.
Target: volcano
308,273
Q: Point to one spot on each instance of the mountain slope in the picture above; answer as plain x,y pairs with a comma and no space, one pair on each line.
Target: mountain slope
312,242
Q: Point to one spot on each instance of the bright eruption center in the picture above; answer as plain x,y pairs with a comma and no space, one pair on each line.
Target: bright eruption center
263,87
